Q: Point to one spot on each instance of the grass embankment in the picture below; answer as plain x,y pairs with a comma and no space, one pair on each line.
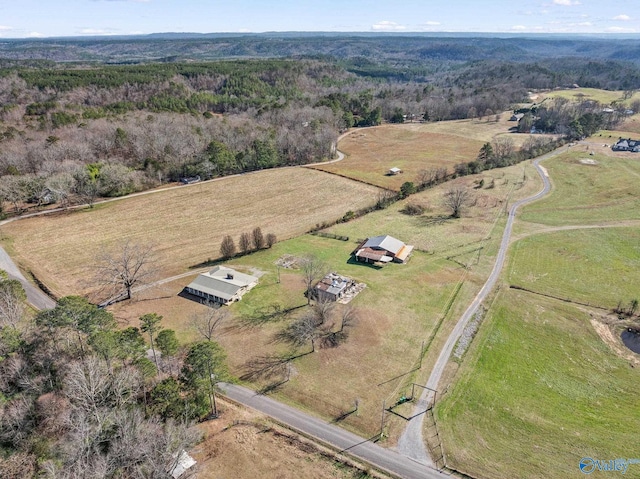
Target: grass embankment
538,392
186,225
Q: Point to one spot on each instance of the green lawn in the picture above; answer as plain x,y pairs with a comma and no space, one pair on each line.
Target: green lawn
588,194
538,391
593,266
398,310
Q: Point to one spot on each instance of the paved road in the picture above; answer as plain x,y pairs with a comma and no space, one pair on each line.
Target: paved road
357,446
37,298
411,442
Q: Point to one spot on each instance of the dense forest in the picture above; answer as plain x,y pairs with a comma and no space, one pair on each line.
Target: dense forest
79,130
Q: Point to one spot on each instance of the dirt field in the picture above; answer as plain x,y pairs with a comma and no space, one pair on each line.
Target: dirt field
371,152
185,225
244,445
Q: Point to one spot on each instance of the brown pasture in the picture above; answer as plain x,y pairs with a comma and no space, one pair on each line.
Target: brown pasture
371,152
186,225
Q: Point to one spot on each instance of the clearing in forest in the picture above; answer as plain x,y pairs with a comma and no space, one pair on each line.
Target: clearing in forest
371,152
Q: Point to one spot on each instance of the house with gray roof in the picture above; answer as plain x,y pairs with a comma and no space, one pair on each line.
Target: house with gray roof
383,249
221,285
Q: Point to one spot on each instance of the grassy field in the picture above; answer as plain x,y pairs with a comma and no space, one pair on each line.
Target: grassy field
397,310
605,97
589,194
435,231
412,147
399,307
186,225
593,266
539,390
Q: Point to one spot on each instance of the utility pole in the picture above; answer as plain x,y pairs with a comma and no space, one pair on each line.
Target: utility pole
384,404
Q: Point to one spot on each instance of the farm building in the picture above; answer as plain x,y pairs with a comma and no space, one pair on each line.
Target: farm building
627,145
383,249
332,287
221,285
394,171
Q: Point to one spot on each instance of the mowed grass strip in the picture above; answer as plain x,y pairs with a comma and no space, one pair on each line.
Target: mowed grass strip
600,267
185,225
586,193
398,309
539,392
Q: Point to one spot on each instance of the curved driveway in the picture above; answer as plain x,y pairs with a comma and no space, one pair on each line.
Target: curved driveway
412,442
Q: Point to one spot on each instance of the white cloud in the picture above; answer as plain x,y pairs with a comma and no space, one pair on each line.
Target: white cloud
432,24
35,35
4,28
620,30
387,26
622,18
566,3
96,31
518,28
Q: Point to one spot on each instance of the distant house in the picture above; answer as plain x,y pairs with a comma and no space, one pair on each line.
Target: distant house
516,117
627,145
394,171
332,287
221,285
383,249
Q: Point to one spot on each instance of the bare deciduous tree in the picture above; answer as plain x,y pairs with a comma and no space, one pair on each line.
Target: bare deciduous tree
227,247
245,243
129,265
271,240
208,321
456,199
313,269
258,238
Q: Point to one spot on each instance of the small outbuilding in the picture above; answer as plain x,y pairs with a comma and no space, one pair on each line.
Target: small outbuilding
394,171
332,287
383,249
221,285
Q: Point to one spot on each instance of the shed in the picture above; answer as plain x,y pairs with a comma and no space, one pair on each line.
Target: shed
395,171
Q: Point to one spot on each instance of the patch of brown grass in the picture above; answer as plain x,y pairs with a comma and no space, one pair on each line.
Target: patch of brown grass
244,444
186,225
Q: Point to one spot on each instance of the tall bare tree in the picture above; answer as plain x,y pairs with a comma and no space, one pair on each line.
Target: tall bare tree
313,269
456,199
245,242
227,247
258,238
208,321
129,265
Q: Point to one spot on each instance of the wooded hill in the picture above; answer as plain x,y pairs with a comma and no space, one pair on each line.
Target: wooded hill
76,131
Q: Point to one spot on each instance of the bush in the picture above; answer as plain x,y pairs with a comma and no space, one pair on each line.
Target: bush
412,209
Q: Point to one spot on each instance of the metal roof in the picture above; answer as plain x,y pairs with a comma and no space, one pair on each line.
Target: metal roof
222,282
385,242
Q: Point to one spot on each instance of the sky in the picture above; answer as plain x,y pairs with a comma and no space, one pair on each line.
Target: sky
50,18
